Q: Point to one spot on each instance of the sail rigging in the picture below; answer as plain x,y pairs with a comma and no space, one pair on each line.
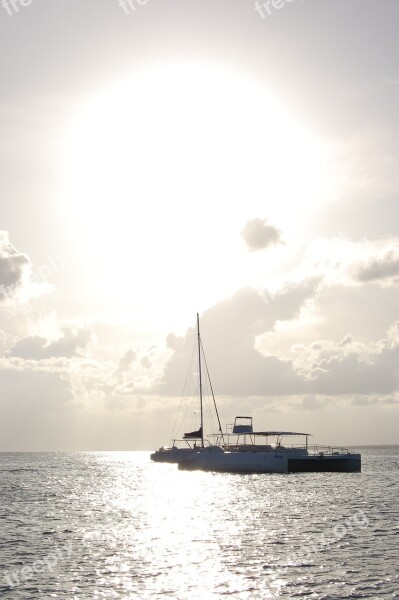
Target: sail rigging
199,434
201,429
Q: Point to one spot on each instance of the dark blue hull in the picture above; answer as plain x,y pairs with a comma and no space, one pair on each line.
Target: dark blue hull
326,464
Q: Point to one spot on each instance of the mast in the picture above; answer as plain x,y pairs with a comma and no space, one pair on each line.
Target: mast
200,381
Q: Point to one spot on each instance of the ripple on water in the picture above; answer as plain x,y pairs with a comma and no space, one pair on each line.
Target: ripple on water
113,525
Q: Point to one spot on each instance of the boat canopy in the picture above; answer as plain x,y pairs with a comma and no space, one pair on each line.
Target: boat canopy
264,433
243,425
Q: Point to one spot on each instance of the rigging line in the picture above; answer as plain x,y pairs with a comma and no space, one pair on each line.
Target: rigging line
185,421
190,403
183,392
209,412
188,416
208,404
213,395
200,381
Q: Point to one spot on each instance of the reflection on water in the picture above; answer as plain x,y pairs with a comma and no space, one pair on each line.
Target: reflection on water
115,525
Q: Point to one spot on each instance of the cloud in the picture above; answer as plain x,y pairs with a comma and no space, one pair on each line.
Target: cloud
125,364
340,261
146,362
13,267
135,375
315,344
350,366
348,339
174,342
127,360
238,367
351,375
229,331
356,309
6,341
393,334
380,266
37,348
18,282
259,235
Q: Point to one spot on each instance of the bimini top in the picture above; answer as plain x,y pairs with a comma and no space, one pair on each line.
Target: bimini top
245,427
262,433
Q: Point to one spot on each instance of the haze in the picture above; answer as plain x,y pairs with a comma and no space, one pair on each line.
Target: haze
231,158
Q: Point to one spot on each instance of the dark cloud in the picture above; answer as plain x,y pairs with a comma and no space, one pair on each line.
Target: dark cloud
259,235
383,266
13,265
37,348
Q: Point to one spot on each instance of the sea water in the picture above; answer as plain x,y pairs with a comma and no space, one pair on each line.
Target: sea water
114,525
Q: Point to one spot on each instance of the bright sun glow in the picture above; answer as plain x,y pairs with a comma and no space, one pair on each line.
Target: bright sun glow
165,168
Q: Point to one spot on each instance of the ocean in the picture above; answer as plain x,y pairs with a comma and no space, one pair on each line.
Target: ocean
99,525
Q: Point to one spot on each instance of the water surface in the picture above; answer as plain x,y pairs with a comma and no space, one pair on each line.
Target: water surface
115,525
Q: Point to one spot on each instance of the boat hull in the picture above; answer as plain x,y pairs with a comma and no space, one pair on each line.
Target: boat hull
342,463
217,460
236,462
174,455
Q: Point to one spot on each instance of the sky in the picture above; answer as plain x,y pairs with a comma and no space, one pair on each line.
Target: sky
231,158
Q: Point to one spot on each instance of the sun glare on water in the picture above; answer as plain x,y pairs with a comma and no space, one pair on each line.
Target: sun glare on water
164,169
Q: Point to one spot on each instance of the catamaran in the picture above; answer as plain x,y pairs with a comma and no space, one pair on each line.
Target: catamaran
243,450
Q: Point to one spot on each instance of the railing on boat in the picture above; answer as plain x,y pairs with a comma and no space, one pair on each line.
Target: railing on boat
316,449
240,436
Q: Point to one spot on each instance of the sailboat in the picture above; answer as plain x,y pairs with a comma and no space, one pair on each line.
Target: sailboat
244,450
192,441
